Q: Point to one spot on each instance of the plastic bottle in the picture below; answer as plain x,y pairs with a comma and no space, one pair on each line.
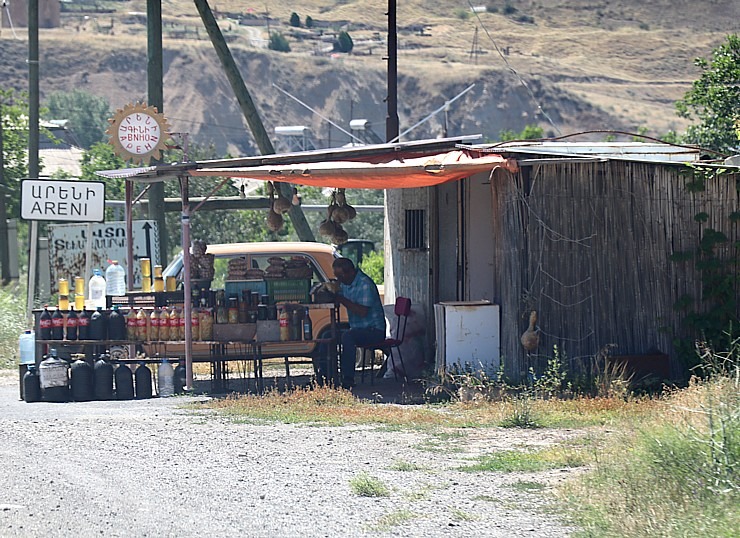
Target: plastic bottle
153,326
180,378
124,382
97,287
141,324
166,379
195,324
131,331
57,325
143,377
54,378
307,326
116,325
27,347
98,329
284,326
81,381
103,379
174,324
45,324
72,325
164,324
115,279
31,385
83,325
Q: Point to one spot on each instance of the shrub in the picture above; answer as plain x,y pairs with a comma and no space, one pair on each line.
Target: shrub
278,42
344,42
295,20
373,264
12,324
365,485
309,21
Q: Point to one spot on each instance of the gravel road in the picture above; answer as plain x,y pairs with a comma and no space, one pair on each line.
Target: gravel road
154,468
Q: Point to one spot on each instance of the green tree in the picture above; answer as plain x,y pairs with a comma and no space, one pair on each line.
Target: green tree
295,20
344,42
714,99
14,117
530,132
278,42
87,114
309,21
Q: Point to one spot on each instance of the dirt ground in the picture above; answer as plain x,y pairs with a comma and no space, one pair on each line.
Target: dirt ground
165,467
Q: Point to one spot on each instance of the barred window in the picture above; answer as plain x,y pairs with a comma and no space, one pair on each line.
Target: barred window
415,228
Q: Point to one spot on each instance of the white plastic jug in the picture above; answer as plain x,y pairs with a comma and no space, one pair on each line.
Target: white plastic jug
27,345
96,289
166,379
115,280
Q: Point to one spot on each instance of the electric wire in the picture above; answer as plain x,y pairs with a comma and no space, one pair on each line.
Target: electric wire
514,71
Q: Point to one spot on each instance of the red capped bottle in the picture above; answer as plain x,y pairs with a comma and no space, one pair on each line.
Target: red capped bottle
45,324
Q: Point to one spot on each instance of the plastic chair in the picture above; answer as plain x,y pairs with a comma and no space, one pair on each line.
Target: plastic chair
387,346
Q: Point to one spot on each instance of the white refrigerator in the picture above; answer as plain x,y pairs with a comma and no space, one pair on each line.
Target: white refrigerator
468,336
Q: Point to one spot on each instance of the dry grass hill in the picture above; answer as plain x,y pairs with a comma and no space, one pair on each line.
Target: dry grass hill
588,64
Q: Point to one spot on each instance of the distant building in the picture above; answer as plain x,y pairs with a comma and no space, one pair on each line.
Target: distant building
59,154
15,13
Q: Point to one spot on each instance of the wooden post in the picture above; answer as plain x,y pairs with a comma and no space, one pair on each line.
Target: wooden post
249,110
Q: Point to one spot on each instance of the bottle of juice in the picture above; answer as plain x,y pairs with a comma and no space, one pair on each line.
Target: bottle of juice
164,324
131,332
141,325
153,326
181,324
174,323
195,324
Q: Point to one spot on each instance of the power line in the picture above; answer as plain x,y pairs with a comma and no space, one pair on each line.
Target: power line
514,71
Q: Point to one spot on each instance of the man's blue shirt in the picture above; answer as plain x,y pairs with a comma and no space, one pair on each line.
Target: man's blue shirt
363,291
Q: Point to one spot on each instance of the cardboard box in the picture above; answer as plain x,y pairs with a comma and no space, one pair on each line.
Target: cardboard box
268,331
234,332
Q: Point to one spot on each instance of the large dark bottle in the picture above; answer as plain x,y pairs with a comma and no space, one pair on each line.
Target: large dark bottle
57,325
72,322
180,378
124,383
83,325
31,385
45,324
116,325
103,379
143,376
98,329
81,381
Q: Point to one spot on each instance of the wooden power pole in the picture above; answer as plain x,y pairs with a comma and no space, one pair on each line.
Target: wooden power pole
250,111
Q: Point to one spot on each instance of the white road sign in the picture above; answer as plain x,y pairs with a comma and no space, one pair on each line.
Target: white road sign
57,200
67,244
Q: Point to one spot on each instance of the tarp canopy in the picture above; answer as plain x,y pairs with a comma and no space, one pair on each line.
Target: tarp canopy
395,173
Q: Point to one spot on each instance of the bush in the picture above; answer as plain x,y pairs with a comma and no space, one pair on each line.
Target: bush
343,43
373,265
278,42
12,324
309,21
295,20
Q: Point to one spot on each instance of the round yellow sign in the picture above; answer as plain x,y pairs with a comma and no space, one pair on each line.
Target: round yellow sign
138,133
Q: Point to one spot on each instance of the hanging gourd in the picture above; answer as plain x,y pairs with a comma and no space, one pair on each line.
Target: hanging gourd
274,219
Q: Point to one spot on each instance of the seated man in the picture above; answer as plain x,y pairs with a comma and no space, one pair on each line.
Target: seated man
359,295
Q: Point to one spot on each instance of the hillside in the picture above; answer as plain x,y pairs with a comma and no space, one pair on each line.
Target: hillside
589,65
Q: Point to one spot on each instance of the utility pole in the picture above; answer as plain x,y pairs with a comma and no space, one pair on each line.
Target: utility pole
391,120
250,112
33,141
4,237
155,97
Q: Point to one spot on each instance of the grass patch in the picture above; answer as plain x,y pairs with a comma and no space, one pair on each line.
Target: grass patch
394,519
365,485
512,461
12,323
460,515
676,474
527,486
406,466
323,405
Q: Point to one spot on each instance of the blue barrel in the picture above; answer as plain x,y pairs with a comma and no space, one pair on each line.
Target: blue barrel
82,381
124,383
143,378
103,380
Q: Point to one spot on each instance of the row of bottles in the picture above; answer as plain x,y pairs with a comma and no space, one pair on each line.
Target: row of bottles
164,324
295,324
55,380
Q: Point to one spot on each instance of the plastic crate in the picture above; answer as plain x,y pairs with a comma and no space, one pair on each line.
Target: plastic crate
288,290
235,287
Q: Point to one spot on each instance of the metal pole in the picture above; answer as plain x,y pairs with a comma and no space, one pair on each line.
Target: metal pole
391,121
33,141
187,292
155,94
